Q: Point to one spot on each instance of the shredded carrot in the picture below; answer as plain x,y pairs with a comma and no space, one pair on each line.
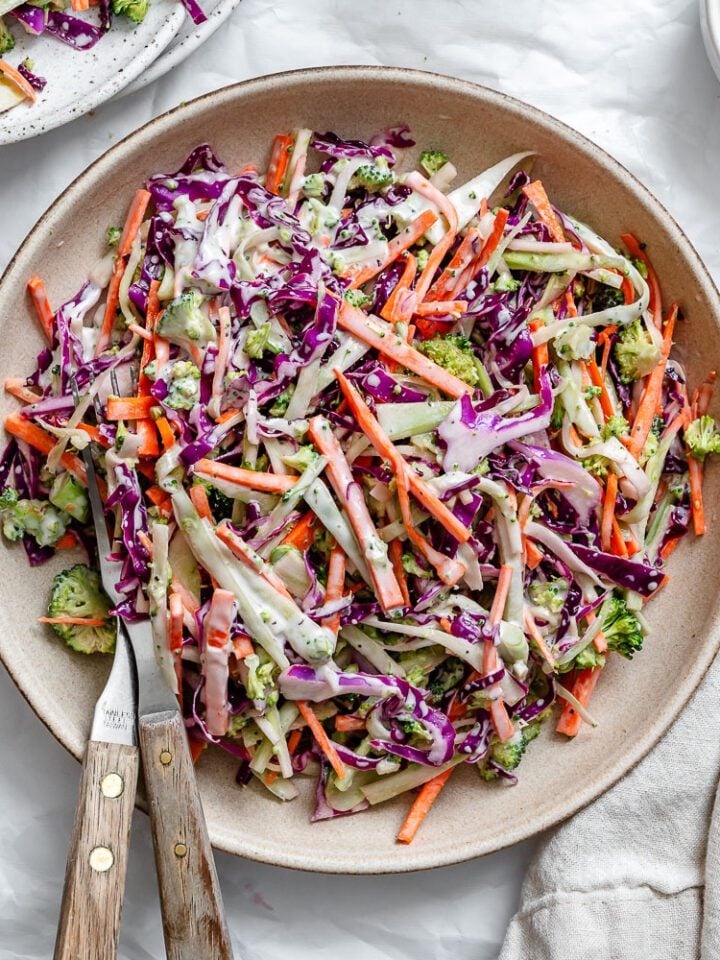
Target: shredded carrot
535,192
302,535
570,720
132,225
608,511
166,432
233,542
321,738
448,281
242,646
392,310
129,408
669,547
637,251
617,540
347,723
294,740
652,394
399,244
335,585
279,160
36,437
395,554
695,476
254,480
421,805
14,76
46,318
16,388
597,378
537,638
540,356
199,497
67,542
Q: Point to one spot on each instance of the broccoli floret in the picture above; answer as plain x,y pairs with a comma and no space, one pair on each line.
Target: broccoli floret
258,341
596,465
422,259
635,353
558,412
184,323
314,185
649,448
621,628
550,594
509,754
373,176
606,297
433,160
151,370
302,458
259,684
134,10
356,298
7,41
587,659
68,495
702,437
591,392
411,566
77,593
616,426
113,236
183,386
220,505
38,518
282,402
506,282
455,354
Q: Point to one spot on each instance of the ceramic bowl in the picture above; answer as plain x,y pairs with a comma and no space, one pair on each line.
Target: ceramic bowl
634,702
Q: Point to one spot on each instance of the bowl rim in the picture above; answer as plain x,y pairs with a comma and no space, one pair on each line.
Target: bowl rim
710,643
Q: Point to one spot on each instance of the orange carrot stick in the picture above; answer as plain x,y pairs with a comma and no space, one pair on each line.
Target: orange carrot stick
585,681
421,805
391,311
695,476
321,738
385,341
242,646
16,388
46,318
335,585
302,535
405,239
279,160
36,437
75,621
254,480
166,432
617,540
395,552
351,497
14,76
608,511
636,251
199,497
132,225
129,408
346,723
597,379
652,394
535,192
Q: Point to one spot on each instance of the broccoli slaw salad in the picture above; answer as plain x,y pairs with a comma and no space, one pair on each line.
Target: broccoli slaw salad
391,470
23,81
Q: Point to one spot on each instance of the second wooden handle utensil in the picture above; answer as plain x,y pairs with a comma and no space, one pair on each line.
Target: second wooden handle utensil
193,919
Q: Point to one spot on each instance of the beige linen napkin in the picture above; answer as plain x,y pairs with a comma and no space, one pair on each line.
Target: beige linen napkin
636,875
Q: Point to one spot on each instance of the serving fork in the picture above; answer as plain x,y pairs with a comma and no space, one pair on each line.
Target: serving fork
137,703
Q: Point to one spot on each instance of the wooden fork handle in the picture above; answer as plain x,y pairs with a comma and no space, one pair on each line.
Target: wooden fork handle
193,918
97,860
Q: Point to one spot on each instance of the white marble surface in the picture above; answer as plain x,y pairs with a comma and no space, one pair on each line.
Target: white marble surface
633,76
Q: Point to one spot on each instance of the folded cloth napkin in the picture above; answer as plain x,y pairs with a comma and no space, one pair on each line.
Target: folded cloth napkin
636,875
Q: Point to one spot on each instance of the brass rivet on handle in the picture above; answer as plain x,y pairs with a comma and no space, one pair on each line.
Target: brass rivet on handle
165,758
112,786
101,859
180,850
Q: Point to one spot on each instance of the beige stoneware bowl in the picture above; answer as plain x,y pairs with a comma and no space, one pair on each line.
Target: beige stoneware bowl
635,702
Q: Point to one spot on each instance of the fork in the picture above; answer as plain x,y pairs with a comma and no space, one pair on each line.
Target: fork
193,919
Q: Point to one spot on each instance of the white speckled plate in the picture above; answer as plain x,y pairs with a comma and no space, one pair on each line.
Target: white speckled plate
188,40
79,81
634,702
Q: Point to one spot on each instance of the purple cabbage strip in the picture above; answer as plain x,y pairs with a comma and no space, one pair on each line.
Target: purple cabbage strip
74,32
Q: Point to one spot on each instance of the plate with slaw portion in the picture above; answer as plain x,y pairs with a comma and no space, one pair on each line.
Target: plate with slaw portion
58,64
405,432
